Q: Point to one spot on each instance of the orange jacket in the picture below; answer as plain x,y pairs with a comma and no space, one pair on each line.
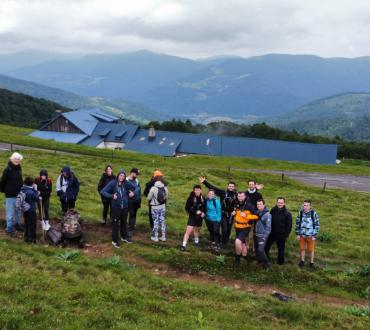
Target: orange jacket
243,223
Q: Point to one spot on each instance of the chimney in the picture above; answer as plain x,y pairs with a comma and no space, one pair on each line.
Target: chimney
151,133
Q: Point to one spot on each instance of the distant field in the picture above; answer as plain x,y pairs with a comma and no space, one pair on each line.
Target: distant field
194,290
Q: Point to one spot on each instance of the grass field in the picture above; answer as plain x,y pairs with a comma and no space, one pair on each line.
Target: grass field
101,288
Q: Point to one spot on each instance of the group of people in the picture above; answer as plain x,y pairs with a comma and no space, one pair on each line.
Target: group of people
28,195
256,227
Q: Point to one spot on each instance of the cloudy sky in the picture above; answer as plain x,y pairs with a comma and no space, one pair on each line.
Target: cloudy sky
188,28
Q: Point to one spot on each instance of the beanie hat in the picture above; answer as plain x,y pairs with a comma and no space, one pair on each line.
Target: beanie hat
66,170
157,173
44,172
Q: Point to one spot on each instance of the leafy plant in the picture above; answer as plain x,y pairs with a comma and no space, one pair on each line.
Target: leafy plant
325,237
358,311
113,261
220,259
68,256
365,293
200,320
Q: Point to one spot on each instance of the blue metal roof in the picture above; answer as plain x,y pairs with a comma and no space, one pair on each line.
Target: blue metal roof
111,132
164,145
86,119
280,150
59,137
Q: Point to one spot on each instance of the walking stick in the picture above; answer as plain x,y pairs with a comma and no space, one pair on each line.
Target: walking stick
42,215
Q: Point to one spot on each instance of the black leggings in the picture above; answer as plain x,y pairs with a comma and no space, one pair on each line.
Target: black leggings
67,205
106,207
214,231
45,208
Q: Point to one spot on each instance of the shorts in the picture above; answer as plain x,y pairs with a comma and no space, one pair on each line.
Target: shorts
242,234
307,242
195,222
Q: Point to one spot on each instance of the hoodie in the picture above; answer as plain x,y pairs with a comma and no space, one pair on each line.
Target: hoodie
122,189
44,186
67,187
194,204
153,195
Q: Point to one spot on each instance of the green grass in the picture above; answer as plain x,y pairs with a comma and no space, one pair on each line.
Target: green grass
39,290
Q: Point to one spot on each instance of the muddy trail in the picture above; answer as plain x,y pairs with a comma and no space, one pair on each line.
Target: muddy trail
98,245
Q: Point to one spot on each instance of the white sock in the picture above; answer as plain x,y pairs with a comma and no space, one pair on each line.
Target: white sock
196,240
184,243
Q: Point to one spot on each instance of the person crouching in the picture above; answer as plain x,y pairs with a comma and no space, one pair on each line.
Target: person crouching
244,220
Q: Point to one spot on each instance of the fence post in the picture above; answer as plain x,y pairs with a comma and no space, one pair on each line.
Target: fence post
282,177
112,154
324,187
11,147
229,168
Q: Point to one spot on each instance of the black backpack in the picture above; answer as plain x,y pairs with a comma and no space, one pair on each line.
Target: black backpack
228,203
312,218
161,196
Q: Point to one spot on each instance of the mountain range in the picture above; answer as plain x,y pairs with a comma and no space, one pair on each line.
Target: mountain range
274,88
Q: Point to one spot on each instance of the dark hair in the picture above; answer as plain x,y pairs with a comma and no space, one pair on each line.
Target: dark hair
135,170
261,200
251,180
232,182
280,197
28,181
241,192
108,166
197,186
307,201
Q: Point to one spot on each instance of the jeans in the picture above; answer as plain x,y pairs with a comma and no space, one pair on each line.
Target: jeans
12,214
259,247
158,216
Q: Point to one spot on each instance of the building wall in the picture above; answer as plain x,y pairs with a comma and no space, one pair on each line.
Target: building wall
62,124
111,145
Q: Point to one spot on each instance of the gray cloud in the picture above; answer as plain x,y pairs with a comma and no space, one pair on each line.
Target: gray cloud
187,28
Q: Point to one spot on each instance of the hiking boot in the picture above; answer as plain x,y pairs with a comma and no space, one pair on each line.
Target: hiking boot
312,266
115,245
10,233
182,248
163,239
154,239
18,227
266,265
237,262
301,264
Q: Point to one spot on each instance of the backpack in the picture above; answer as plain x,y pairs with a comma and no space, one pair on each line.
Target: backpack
20,202
54,236
161,196
312,218
228,203
71,226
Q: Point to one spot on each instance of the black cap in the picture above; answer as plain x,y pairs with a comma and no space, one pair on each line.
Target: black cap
44,172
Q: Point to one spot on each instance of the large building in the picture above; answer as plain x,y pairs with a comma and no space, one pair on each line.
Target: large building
96,128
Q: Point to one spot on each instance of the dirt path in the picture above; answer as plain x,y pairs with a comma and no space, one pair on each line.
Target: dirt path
105,250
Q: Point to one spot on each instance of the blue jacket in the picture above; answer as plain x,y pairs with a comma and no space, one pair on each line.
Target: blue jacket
122,192
213,209
263,226
31,196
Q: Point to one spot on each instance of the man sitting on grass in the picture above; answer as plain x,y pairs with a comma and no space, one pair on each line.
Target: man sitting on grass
306,229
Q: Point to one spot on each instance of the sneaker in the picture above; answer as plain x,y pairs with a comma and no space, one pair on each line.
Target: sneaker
266,266
182,248
154,239
18,227
104,222
301,264
163,239
312,266
126,240
116,245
